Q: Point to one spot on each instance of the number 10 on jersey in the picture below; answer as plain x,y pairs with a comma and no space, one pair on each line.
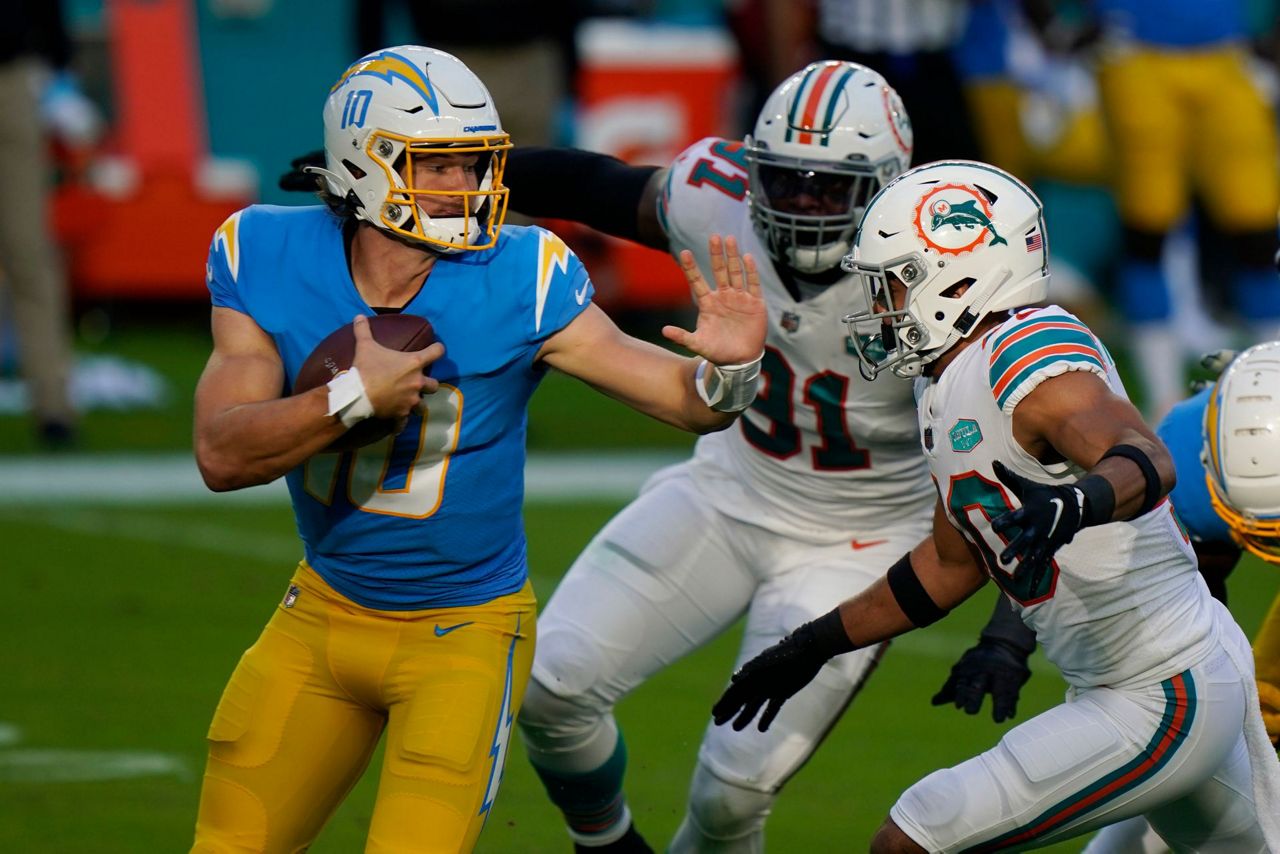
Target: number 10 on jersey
402,475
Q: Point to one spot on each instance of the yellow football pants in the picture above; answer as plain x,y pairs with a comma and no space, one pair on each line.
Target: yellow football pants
1266,660
1190,120
304,710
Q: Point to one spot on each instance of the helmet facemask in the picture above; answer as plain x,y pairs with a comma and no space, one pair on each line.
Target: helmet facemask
806,211
473,223
906,343
1260,537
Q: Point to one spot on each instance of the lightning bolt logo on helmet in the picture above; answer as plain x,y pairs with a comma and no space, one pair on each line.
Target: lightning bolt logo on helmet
953,219
390,66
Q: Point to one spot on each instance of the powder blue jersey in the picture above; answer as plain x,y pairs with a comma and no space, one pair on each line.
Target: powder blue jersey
431,517
1182,430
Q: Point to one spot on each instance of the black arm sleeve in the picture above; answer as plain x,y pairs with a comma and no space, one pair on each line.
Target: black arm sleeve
541,180
1007,626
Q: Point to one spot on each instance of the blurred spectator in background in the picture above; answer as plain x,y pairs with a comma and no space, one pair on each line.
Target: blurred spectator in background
523,50
35,82
1186,119
1036,115
910,42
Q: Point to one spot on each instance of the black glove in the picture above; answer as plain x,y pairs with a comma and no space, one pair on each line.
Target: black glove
1049,518
297,181
994,667
780,671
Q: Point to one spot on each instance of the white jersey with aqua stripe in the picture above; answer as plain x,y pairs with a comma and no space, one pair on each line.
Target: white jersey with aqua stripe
822,454
1123,602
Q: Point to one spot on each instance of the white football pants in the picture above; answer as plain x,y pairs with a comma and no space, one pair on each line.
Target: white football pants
664,577
1173,751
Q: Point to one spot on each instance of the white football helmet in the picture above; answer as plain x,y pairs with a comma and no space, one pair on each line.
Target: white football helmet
825,141
935,228
1241,452
405,102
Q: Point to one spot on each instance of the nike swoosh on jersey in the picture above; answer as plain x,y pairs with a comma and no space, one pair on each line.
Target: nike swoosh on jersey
442,632
581,295
858,545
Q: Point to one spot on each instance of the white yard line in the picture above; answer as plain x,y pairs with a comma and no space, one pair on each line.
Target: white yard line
45,765
220,539
9,734
30,765
173,478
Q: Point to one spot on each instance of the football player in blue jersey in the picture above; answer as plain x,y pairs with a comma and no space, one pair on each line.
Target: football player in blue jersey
1187,116
1225,442
411,611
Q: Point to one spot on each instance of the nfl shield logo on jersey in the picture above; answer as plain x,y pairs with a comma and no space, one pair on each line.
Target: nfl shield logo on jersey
290,596
965,436
790,321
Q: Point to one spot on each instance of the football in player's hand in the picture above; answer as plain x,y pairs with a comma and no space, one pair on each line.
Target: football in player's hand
404,332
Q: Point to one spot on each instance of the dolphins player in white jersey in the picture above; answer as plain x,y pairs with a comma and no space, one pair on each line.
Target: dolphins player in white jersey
1050,484
822,485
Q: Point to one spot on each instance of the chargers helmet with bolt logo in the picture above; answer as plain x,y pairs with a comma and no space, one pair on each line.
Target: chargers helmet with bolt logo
825,141
958,240
1241,452
395,106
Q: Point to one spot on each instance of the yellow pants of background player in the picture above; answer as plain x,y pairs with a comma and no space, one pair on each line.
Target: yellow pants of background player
305,707
1184,120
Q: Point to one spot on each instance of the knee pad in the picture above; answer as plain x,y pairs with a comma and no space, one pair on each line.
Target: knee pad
723,809
544,710
563,735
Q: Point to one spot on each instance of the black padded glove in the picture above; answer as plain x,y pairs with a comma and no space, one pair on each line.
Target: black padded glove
774,675
297,181
1049,518
994,667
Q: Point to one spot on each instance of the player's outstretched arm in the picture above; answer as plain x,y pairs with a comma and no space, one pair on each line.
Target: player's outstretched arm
588,187
700,395
1075,416
247,434
919,589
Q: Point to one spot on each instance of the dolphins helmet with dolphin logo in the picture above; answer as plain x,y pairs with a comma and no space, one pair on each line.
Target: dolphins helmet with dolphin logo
1241,451
932,231
401,103
826,139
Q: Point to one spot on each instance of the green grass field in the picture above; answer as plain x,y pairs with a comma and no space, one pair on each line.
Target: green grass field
123,622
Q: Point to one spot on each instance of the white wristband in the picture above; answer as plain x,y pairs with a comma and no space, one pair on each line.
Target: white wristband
347,398
728,388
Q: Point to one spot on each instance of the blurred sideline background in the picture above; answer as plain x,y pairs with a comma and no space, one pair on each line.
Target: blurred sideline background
131,591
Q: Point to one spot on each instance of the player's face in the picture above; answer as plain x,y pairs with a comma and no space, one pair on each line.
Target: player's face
447,176
805,193
897,293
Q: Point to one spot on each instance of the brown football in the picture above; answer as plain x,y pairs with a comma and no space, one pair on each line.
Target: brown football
333,355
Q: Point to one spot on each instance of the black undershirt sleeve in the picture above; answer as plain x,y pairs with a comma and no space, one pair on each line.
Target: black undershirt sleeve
594,189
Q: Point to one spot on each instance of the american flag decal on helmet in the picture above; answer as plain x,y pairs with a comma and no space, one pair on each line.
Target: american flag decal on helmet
1035,240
